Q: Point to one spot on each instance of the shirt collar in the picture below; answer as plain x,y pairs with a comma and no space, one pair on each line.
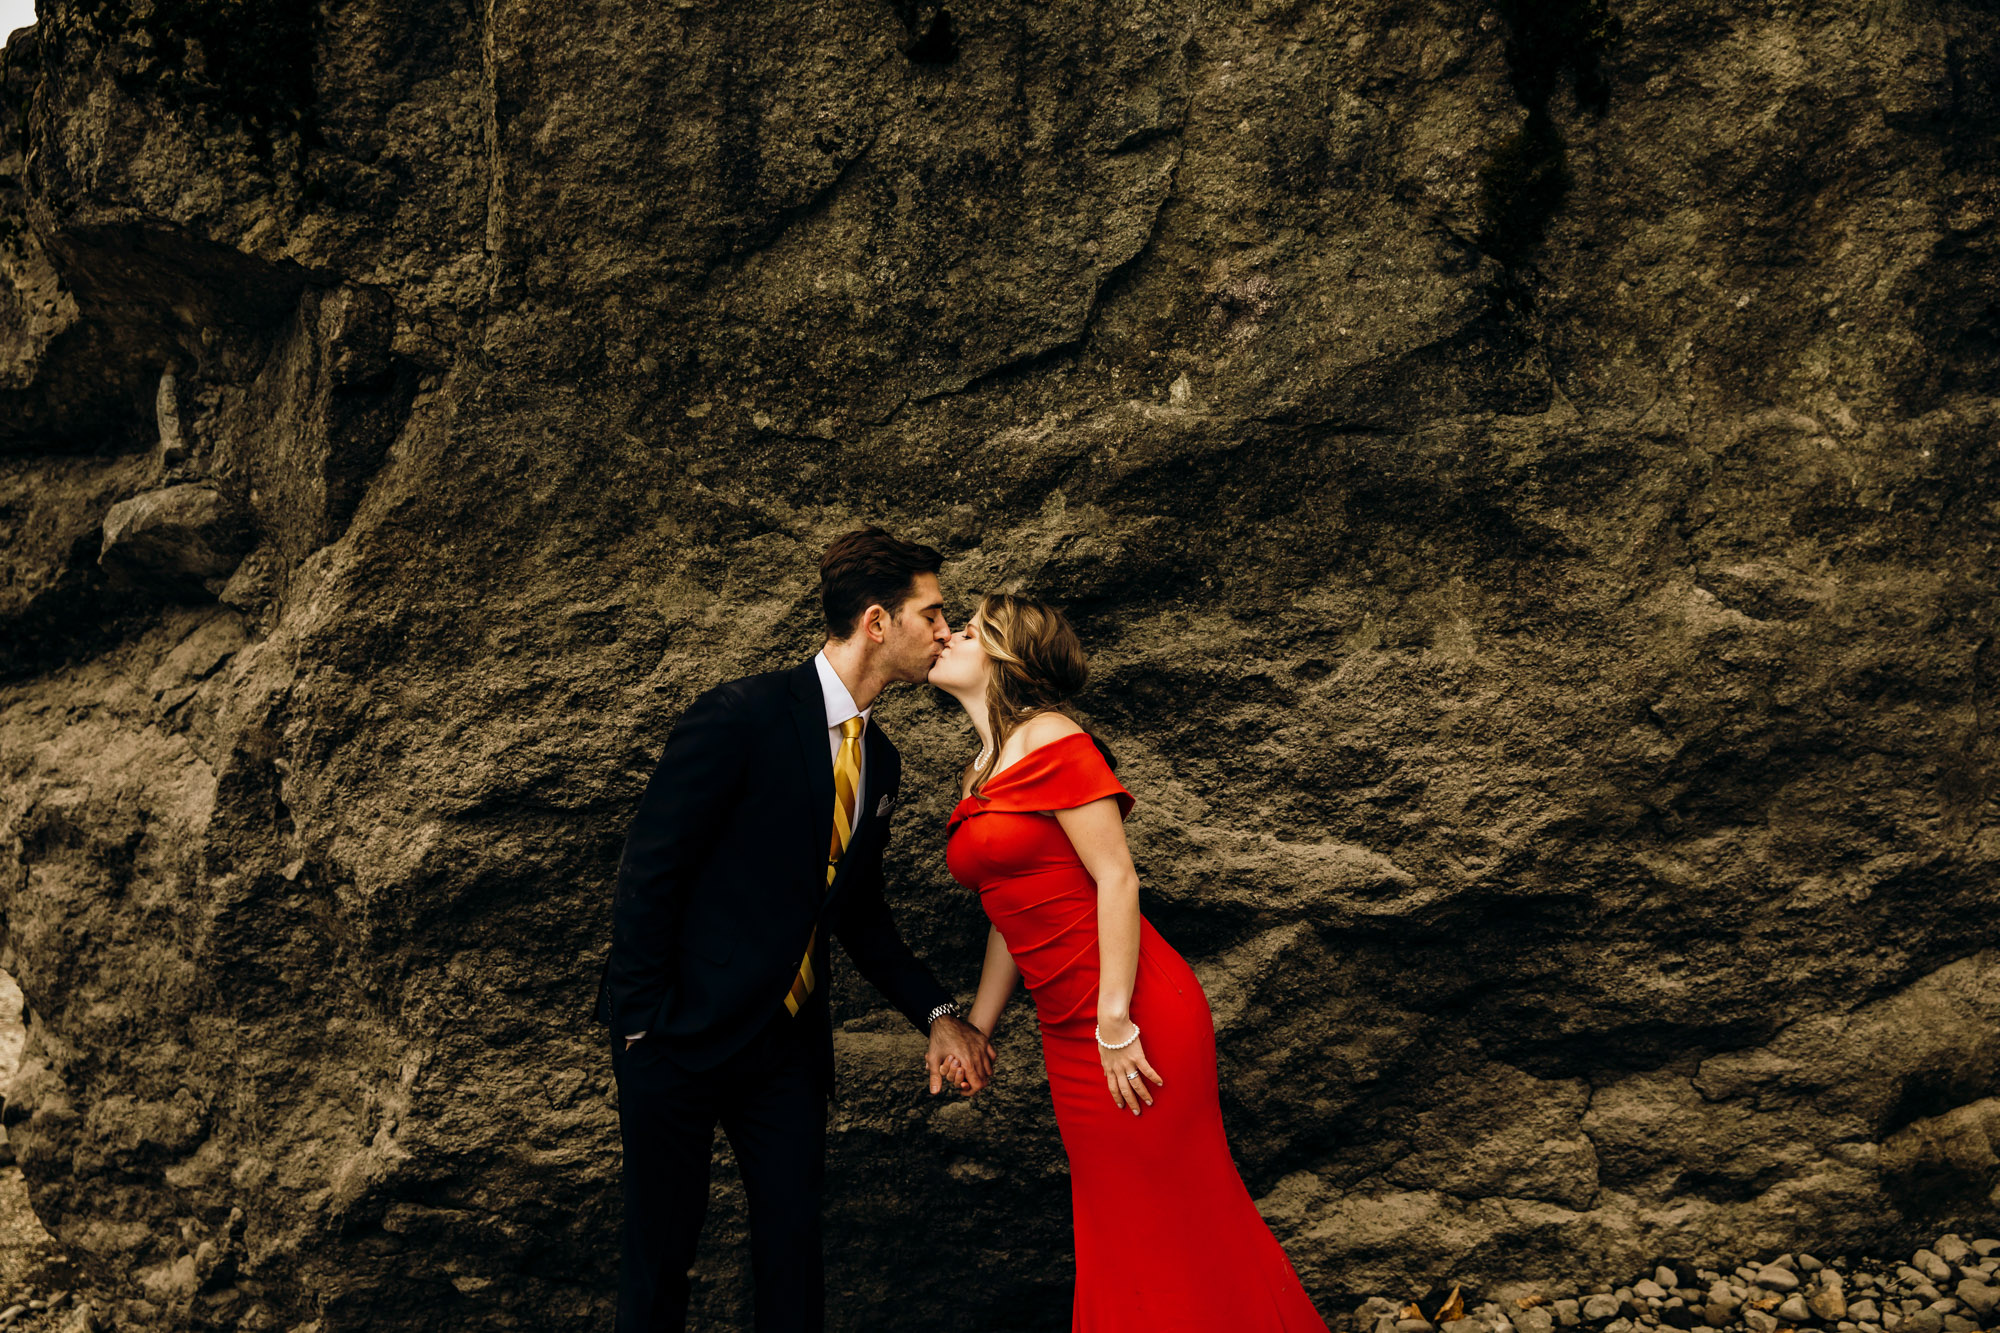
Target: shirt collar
839,703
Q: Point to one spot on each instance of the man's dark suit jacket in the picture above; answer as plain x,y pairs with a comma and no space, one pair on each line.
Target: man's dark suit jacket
724,874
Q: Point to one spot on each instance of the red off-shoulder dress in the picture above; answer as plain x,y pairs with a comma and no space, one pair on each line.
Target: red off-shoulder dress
1167,1238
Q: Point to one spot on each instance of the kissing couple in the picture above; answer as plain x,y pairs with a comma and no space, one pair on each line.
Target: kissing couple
759,838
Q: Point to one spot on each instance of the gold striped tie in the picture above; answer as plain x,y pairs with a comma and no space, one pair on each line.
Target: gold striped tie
846,782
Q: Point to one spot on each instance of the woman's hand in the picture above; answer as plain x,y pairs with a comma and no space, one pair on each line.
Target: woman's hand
1127,1071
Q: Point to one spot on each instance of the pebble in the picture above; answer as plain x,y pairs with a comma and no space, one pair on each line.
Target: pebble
1934,1268
1799,1292
1978,1297
11,1313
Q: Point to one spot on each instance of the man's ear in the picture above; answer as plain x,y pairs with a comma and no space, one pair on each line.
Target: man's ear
875,623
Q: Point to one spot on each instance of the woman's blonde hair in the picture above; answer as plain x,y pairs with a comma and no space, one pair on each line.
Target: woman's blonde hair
1038,664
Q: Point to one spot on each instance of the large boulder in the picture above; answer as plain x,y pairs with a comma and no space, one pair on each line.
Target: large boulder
1525,477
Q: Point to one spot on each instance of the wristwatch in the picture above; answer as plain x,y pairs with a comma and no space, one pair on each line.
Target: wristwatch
948,1007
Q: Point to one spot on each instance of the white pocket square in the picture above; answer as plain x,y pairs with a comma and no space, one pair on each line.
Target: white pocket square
882,806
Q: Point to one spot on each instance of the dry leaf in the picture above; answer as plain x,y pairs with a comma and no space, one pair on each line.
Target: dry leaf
1530,1302
1453,1309
1411,1311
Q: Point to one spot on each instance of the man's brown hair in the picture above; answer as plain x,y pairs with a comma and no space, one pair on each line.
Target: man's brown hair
869,568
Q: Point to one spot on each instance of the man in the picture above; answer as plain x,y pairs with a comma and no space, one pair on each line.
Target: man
759,837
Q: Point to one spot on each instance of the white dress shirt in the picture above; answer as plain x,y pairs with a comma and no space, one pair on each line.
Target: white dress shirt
840,707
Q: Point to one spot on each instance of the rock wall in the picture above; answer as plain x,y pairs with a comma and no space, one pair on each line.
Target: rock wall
1527,476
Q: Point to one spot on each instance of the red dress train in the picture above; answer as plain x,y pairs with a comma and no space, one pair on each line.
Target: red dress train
1167,1237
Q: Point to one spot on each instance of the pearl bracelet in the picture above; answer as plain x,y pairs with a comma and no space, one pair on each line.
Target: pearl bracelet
1099,1033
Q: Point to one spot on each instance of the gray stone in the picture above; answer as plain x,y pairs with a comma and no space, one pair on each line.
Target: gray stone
1792,1310
1717,1316
1384,1323
1932,1267
169,411
1414,1326
1646,1289
1954,1251
1776,1278
1619,1325
1759,1321
1535,1319
1568,1312
1827,1301
1958,1323
1923,1321
1665,1278
1865,1311
1601,1305
1979,1297
1808,1264
183,541
1985,1247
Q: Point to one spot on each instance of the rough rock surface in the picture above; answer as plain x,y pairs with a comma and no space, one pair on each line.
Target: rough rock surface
1527,476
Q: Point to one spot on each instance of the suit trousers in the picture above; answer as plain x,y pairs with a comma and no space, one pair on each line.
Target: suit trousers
771,1101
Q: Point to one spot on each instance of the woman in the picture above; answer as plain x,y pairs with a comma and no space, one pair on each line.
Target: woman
1167,1238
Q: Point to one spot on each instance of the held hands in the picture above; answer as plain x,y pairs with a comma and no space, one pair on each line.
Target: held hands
959,1054
1126,1069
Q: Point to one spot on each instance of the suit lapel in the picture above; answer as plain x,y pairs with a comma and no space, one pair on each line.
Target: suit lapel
809,719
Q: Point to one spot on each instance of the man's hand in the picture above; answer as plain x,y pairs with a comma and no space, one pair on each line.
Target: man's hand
964,1048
